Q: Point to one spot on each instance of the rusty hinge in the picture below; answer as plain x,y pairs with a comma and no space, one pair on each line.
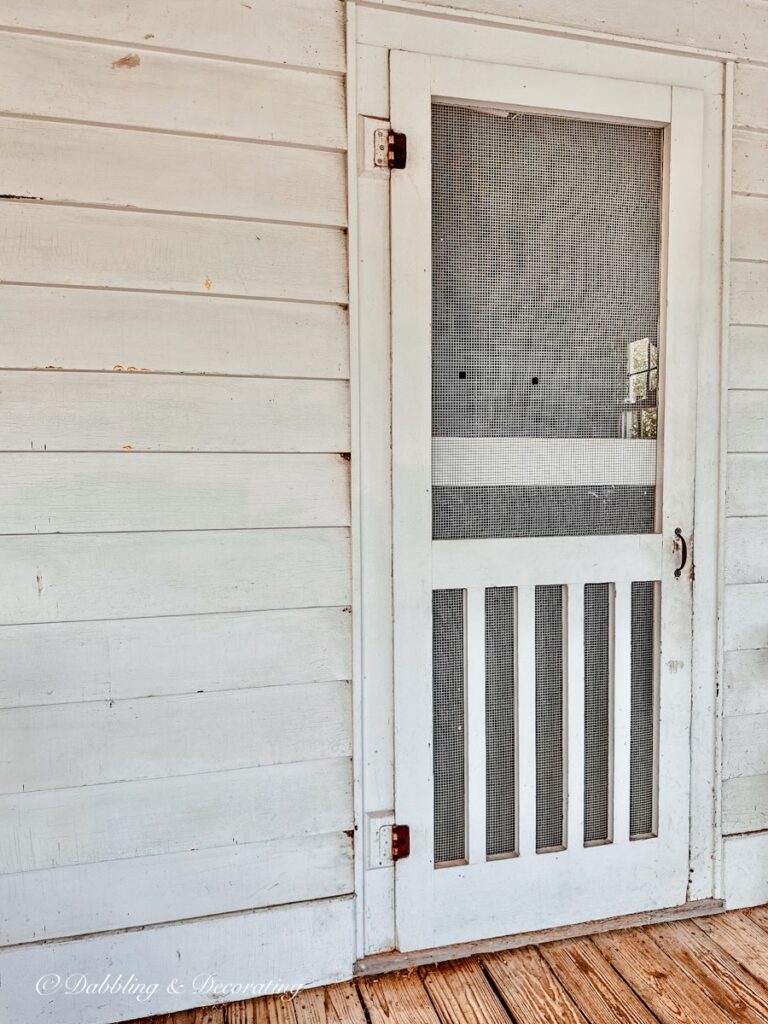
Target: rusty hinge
401,841
389,149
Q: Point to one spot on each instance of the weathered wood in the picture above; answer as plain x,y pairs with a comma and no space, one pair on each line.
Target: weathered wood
746,549
136,333
111,249
743,938
130,412
745,804
530,990
661,984
462,994
336,1004
599,992
166,91
748,358
749,292
718,974
76,163
749,239
43,492
745,745
158,816
395,998
745,886
747,493
750,96
135,891
308,32
750,162
54,578
745,622
748,420
746,682
69,745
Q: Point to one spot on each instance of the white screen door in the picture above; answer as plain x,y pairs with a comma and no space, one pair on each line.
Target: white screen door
544,294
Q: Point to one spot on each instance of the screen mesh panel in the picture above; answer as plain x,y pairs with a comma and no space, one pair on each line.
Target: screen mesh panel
642,791
546,240
549,717
597,711
448,723
500,703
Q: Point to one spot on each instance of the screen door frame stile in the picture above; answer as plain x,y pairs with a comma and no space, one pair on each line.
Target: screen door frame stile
415,80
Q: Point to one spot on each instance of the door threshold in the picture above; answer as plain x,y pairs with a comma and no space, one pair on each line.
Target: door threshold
383,963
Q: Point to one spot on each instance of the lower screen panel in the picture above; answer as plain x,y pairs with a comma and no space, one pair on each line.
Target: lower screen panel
598,661
448,724
642,798
500,701
550,790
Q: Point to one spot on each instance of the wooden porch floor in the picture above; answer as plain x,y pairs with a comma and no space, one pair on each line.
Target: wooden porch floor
711,970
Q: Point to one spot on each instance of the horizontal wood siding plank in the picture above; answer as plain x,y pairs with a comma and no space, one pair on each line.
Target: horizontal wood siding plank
748,357
750,95
72,745
59,577
749,293
61,245
746,550
134,412
748,421
746,624
43,492
744,886
79,899
745,745
745,804
160,816
749,233
746,682
61,662
126,331
308,32
58,78
118,167
747,491
750,162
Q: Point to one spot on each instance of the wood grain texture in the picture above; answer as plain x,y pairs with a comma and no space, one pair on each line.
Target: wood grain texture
745,804
130,412
668,992
54,578
599,992
749,293
63,245
44,492
748,358
336,1004
174,815
399,997
308,32
750,163
169,92
746,549
136,891
745,676
58,663
461,994
747,486
76,163
745,622
749,233
745,745
135,333
744,885
748,421
742,937
530,990
750,95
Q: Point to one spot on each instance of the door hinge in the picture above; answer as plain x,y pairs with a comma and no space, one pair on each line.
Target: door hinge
401,841
389,149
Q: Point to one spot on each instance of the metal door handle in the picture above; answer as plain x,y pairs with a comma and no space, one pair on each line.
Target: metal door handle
684,553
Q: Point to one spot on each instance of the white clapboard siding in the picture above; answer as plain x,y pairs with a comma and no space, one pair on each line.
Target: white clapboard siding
743,885
747,486
746,682
748,357
148,890
749,236
748,421
60,662
61,78
137,819
746,623
78,163
308,32
43,492
750,99
746,550
745,804
749,293
745,745
68,745
59,577
135,332
750,162
104,248
134,412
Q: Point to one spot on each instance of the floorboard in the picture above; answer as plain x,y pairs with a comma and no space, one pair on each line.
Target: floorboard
711,970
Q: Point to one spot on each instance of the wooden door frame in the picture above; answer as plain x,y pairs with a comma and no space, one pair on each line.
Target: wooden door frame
372,31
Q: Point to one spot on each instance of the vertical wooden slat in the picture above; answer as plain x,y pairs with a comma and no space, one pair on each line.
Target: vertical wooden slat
622,705
526,728
475,723
575,721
